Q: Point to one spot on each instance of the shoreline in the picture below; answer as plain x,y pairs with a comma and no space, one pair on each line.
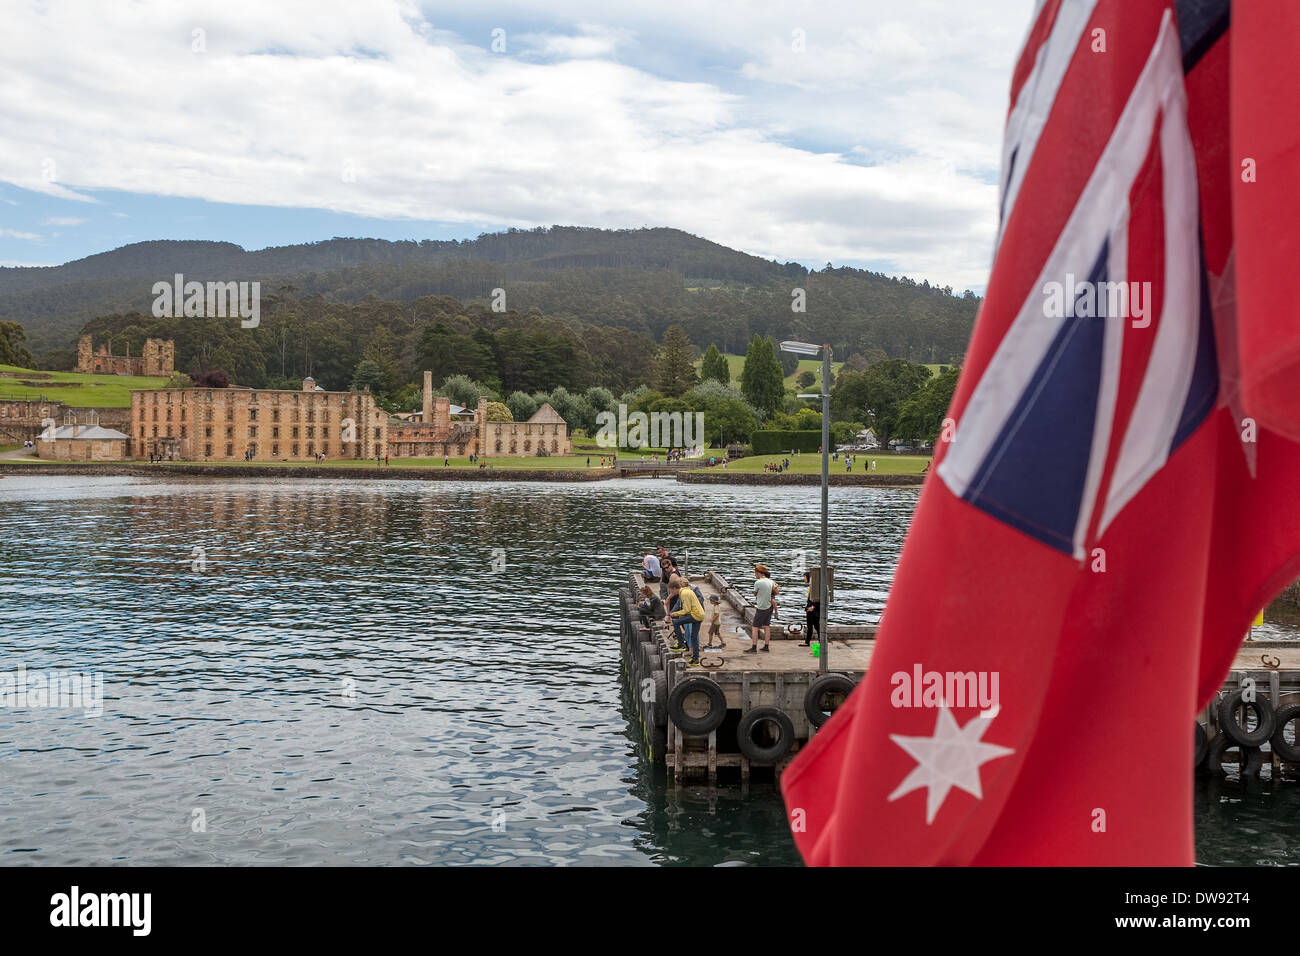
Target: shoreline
869,480
389,472
435,473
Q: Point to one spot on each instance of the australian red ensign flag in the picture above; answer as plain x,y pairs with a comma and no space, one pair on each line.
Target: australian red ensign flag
1117,490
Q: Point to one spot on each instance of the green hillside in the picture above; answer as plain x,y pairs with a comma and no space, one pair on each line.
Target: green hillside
71,388
333,295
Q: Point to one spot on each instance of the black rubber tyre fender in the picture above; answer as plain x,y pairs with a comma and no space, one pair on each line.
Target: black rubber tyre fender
777,750
650,654
1248,765
656,743
1283,716
1202,746
634,664
817,692
660,705
712,720
1238,733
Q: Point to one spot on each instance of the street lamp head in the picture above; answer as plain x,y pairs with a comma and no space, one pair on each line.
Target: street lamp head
817,395
801,348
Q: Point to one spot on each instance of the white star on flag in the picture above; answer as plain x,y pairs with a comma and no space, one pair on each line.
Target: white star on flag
950,758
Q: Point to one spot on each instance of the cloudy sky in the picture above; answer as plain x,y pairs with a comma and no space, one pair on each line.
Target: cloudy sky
863,132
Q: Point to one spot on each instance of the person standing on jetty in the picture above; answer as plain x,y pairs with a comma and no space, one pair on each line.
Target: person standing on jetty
812,612
715,621
666,563
690,613
668,581
765,592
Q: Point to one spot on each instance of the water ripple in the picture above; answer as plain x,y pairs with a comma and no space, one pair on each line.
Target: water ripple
375,672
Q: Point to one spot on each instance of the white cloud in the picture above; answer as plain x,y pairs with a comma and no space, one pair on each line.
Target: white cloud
16,234
592,41
62,221
706,124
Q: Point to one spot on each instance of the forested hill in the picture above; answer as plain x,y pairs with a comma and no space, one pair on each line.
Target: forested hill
642,279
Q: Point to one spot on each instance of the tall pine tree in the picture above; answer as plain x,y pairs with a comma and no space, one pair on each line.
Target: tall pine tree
714,366
761,381
675,364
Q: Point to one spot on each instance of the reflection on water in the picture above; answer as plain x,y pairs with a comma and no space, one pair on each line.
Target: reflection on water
372,672
1247,822
396,672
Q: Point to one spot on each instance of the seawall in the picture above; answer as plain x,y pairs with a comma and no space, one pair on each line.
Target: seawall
394,473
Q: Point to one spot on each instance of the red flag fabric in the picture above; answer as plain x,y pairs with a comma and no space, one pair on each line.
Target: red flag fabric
1117,500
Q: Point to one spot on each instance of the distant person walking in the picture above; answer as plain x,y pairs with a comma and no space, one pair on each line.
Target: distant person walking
765,592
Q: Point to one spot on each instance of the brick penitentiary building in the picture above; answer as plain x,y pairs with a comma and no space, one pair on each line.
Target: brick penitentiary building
230,424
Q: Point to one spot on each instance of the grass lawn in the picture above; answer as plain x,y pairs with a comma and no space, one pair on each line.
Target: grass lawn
811,464
71,388
736,364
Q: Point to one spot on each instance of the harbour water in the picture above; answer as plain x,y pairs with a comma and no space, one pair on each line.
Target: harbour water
307,672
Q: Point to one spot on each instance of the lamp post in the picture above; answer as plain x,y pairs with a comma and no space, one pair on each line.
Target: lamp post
806,348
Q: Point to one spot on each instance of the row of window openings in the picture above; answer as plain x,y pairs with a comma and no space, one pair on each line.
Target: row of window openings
513,426
252,431
528,445
254,396
252,415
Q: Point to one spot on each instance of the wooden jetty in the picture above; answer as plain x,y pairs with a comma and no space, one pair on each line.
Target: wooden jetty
680,716
753,712
1232,733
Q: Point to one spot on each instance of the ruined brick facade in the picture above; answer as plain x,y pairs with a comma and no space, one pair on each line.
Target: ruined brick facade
158,359
436,434
23,420
545,431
